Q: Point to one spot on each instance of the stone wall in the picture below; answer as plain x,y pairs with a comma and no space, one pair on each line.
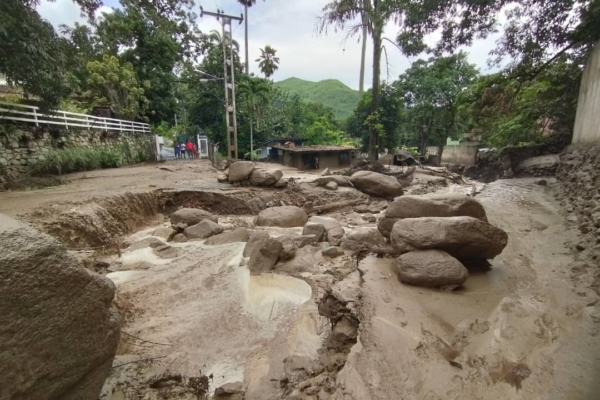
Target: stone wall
21,148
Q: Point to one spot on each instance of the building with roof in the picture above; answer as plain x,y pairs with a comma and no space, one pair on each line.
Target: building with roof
314,157
265,150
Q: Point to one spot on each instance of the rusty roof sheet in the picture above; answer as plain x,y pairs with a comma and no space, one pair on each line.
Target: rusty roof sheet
303,149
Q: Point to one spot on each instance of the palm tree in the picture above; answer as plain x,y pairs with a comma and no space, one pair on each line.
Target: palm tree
375,14
255,93
268,62
246,4
215,39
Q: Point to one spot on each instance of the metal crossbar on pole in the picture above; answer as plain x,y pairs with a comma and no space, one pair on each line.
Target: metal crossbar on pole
230,105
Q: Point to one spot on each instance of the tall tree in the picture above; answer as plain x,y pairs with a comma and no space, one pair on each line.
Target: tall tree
246,4
255,93
431,90
268,61
376,14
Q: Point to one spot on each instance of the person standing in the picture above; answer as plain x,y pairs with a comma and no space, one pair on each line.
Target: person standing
182,149
190,149
176,150
195,151
317,162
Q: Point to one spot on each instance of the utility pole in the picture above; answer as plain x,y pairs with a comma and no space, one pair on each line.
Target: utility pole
230,107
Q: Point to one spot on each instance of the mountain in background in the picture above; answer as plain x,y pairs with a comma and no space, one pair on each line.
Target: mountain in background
329,92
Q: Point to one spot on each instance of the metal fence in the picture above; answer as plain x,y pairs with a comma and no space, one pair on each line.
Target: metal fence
66,119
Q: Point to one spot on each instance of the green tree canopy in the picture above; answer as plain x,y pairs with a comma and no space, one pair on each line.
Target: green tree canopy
268,62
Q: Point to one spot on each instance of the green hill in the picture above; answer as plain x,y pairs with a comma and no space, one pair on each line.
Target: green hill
329,92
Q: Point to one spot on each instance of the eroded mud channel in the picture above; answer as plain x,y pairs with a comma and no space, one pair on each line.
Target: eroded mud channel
201,320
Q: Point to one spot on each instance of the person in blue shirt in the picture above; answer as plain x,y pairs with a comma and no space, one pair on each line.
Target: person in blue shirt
176,149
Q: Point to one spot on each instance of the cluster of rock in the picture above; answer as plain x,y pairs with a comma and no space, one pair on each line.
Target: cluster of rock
437,236
245,173
264,251
59,330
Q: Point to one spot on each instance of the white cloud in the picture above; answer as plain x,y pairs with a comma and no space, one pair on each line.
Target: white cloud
289,26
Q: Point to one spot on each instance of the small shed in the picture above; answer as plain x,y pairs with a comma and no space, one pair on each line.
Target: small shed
265,150
314,157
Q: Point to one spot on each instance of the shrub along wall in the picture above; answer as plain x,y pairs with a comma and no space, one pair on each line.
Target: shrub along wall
27,150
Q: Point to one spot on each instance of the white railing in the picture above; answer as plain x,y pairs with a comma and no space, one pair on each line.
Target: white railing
25,113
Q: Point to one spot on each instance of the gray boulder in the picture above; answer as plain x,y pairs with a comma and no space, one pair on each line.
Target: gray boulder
256,240
376,184
304,240
239,171
203,230
283,182
285,217
465,238
288,247
59,332
334,229
363,238
317,229
265,256
192,216
236,235
263,177
332,252
222,178
145,243
331,186
179,238
430,206
164,232
326,172
431,268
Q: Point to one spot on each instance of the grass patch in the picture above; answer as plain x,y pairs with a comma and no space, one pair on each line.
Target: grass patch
76,159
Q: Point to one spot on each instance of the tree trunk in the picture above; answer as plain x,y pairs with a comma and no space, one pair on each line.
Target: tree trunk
377,32
246,39
440,152
251,144
363,56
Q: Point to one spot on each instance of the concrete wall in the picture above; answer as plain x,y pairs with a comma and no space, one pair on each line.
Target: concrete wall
23,147
587,121
463,154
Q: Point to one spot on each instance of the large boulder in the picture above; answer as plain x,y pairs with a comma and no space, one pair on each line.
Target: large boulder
264,177
264,257
256,240
236,235
431,268
59,333
192,216
239,171
430,206
203,230
376,184
331,186
363,238
333,229
285,217
465,238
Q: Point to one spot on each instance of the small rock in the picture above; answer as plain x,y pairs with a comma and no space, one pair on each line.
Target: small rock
222,178
179,238
326,172
144,243
236,235
230,391
288,248
192,216
333,252
305,240
316,229
283,182
166,251
579,247
369,218
331,186
541,182
179,227
572,218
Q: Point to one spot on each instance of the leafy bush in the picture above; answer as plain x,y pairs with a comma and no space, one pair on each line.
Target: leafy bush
87,159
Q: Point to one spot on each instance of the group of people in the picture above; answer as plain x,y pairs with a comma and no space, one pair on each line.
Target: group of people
186,150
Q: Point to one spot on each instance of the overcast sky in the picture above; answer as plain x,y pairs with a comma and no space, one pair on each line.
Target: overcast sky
289,26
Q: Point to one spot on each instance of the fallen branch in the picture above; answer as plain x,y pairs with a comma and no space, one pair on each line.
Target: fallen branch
136,361
335,206
145,341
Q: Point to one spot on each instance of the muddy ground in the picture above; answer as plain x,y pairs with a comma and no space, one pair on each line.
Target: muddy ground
527,328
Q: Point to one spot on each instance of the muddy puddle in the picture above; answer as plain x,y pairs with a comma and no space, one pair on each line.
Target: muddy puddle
210,316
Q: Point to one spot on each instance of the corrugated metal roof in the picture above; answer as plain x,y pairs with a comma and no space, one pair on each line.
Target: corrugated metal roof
302,149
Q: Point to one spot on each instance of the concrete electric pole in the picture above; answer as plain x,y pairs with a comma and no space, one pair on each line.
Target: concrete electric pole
230,108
